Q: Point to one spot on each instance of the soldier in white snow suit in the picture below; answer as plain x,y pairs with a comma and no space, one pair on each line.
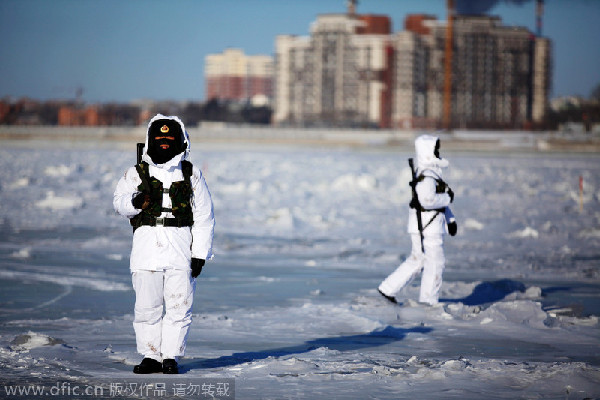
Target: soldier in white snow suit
431,206
170,208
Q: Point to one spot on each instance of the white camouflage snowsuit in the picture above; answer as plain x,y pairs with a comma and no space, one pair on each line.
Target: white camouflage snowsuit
161,256
432,263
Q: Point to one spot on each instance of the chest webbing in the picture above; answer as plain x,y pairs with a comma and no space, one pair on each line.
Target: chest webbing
180,193
440,187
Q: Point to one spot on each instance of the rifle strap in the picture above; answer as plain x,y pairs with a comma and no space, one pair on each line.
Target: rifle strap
437,212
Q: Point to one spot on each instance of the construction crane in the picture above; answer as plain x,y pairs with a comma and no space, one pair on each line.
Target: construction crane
448,67
539,12
352,6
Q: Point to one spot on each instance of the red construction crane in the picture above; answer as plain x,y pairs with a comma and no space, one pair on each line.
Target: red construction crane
448,67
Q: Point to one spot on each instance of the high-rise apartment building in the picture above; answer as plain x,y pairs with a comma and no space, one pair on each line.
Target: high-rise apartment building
338,75
233,75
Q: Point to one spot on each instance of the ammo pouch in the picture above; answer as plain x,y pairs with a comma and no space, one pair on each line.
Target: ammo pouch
180,193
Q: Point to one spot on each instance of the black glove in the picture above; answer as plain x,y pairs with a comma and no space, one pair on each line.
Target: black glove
141,201
197,264
452,228
451,194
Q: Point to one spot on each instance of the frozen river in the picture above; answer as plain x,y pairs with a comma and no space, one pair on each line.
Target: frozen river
289,306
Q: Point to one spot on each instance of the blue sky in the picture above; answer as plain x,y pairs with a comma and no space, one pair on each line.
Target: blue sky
121,50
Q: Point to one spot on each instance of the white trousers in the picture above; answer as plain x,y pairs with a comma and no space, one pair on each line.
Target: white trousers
432,264
163,312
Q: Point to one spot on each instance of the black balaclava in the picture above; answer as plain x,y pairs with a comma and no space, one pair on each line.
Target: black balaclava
165,140
436,152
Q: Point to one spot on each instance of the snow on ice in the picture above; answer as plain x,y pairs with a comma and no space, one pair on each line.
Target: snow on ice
289,306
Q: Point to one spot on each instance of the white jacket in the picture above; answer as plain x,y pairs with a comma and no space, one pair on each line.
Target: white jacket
158,248
431,167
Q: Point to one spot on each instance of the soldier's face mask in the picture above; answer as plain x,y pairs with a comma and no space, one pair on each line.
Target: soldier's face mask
436,152
164,141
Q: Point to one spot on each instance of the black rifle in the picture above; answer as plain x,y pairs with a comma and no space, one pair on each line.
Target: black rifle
140,151
414,203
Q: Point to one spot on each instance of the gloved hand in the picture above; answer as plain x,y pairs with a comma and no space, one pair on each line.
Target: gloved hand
451,194
141,201
197,264
452,228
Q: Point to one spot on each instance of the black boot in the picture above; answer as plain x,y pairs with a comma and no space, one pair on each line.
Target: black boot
170,366
148,366
389,298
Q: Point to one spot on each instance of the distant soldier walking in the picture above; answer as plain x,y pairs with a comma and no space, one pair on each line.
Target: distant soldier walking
429,214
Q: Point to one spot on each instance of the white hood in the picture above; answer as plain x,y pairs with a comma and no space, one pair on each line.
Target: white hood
425,152
178,158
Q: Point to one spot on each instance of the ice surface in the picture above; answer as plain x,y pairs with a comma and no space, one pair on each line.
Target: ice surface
56,203
289,306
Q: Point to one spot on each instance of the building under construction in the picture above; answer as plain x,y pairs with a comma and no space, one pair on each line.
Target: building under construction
498,77
466,72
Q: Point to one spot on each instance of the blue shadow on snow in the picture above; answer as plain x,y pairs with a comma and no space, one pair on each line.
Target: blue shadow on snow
341,343
489,292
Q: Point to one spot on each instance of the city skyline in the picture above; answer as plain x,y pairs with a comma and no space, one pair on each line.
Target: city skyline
352,72
124,51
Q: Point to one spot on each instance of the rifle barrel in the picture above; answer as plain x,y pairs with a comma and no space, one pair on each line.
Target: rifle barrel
140,152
